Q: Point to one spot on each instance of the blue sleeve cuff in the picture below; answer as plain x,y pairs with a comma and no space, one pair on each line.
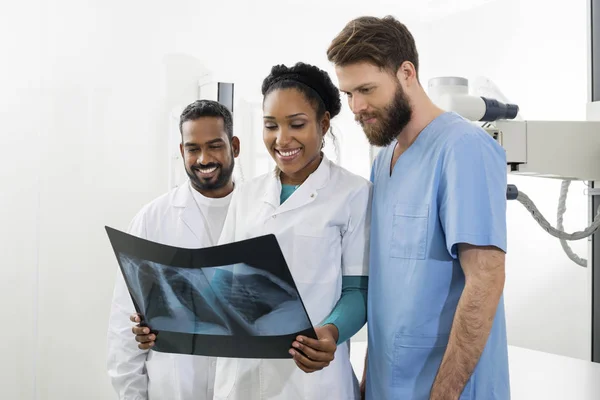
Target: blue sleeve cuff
350,313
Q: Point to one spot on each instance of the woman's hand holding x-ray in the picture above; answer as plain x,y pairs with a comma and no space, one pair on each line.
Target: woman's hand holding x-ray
313,355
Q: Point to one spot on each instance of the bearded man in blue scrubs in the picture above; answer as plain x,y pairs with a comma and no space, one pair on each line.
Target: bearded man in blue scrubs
435,305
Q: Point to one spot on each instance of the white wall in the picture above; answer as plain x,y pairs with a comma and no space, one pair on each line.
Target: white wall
84,144
21,114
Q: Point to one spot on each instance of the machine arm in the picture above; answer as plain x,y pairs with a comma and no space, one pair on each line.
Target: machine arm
566,150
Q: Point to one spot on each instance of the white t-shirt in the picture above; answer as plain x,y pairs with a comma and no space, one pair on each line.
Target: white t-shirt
214,211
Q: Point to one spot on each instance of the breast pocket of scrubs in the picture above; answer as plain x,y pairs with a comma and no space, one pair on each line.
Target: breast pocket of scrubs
409,231
314,251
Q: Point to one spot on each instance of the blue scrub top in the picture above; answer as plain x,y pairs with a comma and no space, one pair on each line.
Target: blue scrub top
448,187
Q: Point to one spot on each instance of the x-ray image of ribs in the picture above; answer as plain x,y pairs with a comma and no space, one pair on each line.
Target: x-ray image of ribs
176,299
258,300
225,300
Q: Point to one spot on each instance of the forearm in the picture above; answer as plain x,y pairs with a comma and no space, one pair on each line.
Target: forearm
350,313
125,361
470,330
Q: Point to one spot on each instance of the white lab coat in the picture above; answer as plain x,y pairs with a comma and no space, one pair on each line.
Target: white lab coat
172,219
323,230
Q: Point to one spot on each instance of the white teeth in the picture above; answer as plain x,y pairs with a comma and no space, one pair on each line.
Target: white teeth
208,171
289,153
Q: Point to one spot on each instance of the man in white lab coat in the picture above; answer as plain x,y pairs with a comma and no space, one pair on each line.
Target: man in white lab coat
190,216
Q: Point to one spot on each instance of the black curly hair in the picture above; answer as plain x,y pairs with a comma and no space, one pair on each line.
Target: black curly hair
207,108
311,81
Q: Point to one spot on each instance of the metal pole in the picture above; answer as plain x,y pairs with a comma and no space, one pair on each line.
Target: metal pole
594,44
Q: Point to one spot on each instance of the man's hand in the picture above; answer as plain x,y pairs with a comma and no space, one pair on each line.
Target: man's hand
317,353
363,381
484,283
362,389
142,333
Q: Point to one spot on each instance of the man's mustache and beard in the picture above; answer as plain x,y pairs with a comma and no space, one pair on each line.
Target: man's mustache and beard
221,176
390,121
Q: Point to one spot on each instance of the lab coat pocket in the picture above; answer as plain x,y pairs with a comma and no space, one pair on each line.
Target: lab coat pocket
416,363
161,376
314,253
409,231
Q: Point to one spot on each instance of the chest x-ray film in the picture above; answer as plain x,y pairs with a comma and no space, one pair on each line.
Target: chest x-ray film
235,300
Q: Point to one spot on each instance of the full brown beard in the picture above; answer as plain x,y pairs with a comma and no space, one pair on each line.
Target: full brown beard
391,120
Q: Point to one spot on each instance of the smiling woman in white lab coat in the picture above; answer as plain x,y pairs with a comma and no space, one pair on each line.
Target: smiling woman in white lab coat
320,214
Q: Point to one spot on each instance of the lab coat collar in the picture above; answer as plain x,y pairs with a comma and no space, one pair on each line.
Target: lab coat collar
306,193
190,213
182,196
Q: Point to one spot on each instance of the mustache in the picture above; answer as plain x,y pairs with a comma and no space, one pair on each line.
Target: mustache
364,116
197,167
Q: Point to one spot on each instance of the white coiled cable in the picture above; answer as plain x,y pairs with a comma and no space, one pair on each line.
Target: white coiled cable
559,232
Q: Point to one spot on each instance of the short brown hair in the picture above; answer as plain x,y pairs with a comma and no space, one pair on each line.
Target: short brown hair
385,42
